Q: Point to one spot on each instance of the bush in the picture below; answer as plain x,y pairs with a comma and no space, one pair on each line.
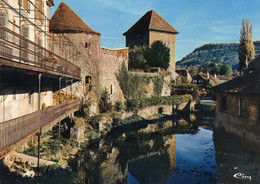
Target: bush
134,85
103,104
119,106
135,104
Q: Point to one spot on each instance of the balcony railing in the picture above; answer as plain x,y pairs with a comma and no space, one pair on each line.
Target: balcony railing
15,130
17,48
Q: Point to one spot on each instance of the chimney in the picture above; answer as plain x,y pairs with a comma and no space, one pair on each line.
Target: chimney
207,75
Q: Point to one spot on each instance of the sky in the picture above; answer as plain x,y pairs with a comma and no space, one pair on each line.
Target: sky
198,21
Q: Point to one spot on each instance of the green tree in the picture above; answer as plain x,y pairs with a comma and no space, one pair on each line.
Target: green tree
193,71
225,69
158,55
215,70
246,47
136,58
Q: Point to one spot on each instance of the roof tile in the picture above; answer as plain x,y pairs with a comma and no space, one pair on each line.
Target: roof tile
151,21
65,20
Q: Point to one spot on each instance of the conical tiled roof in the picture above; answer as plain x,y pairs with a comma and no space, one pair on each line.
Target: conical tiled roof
65,20
151,21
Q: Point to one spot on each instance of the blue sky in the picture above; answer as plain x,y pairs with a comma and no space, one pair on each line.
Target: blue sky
198,21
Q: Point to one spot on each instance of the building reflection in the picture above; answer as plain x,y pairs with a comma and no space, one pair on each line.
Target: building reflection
147,155
236,155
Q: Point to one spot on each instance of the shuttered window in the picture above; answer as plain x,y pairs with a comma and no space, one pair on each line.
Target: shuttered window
25,31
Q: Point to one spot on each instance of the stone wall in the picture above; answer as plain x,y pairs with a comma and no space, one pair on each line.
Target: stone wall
98,65
243,127
82,50
111,62
169,40
147,38
138,39
166,90
166,109
158,109
238,105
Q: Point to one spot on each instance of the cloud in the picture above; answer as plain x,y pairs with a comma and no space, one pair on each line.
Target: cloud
225,29
127,6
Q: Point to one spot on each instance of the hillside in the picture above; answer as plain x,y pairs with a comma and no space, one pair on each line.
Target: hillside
214,52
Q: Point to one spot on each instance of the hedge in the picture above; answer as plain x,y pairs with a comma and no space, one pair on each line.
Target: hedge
135,104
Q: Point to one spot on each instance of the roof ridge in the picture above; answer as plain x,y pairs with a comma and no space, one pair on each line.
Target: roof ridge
150,18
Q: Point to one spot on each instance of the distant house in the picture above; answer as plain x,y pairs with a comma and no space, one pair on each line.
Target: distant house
205,78
240,96
183,74
150,28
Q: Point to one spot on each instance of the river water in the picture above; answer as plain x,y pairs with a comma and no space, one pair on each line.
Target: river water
166,150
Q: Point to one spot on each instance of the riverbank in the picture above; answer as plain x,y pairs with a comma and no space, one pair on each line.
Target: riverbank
61,143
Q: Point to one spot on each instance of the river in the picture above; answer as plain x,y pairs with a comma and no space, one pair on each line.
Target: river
166,150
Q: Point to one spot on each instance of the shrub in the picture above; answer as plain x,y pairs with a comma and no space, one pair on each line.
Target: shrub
104,105
135,104
135,85
119,106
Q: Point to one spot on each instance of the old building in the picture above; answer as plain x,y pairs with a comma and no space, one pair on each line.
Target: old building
150,28
238,105
30,73
81,45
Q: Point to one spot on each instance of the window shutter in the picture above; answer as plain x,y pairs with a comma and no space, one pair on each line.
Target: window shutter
28,7
39,10
25,4
25,31
2,23
2,20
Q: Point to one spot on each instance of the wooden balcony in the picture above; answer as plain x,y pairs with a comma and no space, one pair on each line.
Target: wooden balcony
17,52
16,132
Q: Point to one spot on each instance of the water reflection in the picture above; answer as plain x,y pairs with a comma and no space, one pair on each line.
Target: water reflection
238,161
166,150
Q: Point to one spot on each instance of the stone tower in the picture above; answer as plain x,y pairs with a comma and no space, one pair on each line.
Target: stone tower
150,28
81,45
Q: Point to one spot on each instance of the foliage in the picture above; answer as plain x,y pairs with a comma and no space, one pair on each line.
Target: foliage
179,89
157,85
225,70
135,104
134,85
84,108
217,67
216,53
136,58
158,55
193,71
246,47
119,106
103,104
